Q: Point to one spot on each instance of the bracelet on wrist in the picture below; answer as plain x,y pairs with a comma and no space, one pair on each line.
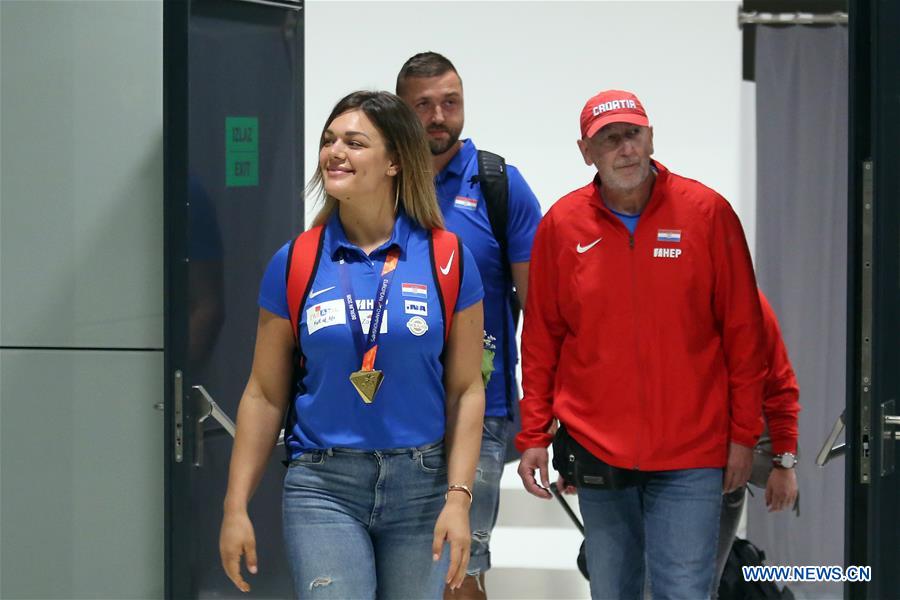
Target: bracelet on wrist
458,487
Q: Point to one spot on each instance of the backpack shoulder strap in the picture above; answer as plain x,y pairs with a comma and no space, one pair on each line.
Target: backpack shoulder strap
447,268
303,258
495,189
494,180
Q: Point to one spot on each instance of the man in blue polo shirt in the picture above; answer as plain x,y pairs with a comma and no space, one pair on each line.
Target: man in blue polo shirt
429,83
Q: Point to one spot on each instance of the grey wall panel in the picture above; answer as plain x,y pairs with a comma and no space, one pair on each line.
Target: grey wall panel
82,496
81,228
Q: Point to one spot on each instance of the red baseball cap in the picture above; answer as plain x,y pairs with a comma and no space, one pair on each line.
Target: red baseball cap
611,106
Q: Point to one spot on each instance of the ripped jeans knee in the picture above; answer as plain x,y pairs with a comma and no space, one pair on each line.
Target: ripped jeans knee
485,505
320,582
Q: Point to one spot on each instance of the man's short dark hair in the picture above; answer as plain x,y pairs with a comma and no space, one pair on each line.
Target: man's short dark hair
424,64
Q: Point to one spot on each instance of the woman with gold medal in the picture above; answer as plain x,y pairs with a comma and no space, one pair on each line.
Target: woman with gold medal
383,426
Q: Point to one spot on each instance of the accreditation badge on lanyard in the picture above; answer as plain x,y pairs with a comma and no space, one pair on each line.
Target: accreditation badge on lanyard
368,379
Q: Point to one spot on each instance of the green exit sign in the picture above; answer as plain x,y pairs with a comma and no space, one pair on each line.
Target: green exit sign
241,151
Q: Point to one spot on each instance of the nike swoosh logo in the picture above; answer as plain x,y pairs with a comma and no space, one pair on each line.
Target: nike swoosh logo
446,270
582,249
314,294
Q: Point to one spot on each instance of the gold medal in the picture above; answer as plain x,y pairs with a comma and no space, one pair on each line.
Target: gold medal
368,379
367,383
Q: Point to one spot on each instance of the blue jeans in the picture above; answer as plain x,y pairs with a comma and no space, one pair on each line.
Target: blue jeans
360,524
671,521
486,492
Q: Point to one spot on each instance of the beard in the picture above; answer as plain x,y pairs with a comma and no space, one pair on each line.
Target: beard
438,147
626,183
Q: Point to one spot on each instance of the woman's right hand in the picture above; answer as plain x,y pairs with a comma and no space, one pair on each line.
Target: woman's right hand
259,417
237,538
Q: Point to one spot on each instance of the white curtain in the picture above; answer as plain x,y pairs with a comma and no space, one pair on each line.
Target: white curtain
801,258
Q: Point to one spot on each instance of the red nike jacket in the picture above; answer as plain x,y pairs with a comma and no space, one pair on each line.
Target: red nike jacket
649,348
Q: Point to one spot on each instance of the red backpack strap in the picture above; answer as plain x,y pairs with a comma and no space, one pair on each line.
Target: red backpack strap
303,258
447,267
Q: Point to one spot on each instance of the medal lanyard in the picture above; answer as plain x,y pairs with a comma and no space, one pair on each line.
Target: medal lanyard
367,345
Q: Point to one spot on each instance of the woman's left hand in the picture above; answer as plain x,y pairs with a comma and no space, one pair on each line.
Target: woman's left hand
453,527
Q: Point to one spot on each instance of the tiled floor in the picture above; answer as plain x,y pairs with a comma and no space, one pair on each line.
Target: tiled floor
533,547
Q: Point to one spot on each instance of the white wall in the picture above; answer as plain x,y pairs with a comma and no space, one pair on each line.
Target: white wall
528,68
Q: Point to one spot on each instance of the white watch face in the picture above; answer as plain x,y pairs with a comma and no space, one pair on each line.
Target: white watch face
786,460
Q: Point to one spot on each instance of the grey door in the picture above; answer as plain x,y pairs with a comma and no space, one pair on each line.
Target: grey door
873,474
234,96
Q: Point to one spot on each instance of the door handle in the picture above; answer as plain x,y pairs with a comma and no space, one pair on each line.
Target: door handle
829,448
204,408
888,436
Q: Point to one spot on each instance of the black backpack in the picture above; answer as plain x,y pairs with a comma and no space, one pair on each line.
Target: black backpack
495,188
732,585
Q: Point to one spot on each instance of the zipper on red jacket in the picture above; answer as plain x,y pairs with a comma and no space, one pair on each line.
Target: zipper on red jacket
637,353
648,208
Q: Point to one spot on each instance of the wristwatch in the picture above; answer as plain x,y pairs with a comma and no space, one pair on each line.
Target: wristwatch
785,461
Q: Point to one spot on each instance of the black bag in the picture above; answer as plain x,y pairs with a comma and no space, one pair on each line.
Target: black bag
732,585
580,468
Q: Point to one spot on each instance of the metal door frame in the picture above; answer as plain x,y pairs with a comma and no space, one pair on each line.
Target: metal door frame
873,283
176,20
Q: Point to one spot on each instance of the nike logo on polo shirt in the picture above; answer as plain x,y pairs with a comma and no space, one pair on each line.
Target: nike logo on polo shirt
314,294
446,270
582,249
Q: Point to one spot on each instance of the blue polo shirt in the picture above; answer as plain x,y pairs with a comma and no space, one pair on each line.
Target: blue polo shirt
465,214
408,410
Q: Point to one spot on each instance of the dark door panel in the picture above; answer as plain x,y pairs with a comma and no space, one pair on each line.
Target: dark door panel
234,145
873,480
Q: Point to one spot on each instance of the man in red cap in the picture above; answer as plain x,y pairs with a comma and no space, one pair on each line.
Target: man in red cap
643,336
